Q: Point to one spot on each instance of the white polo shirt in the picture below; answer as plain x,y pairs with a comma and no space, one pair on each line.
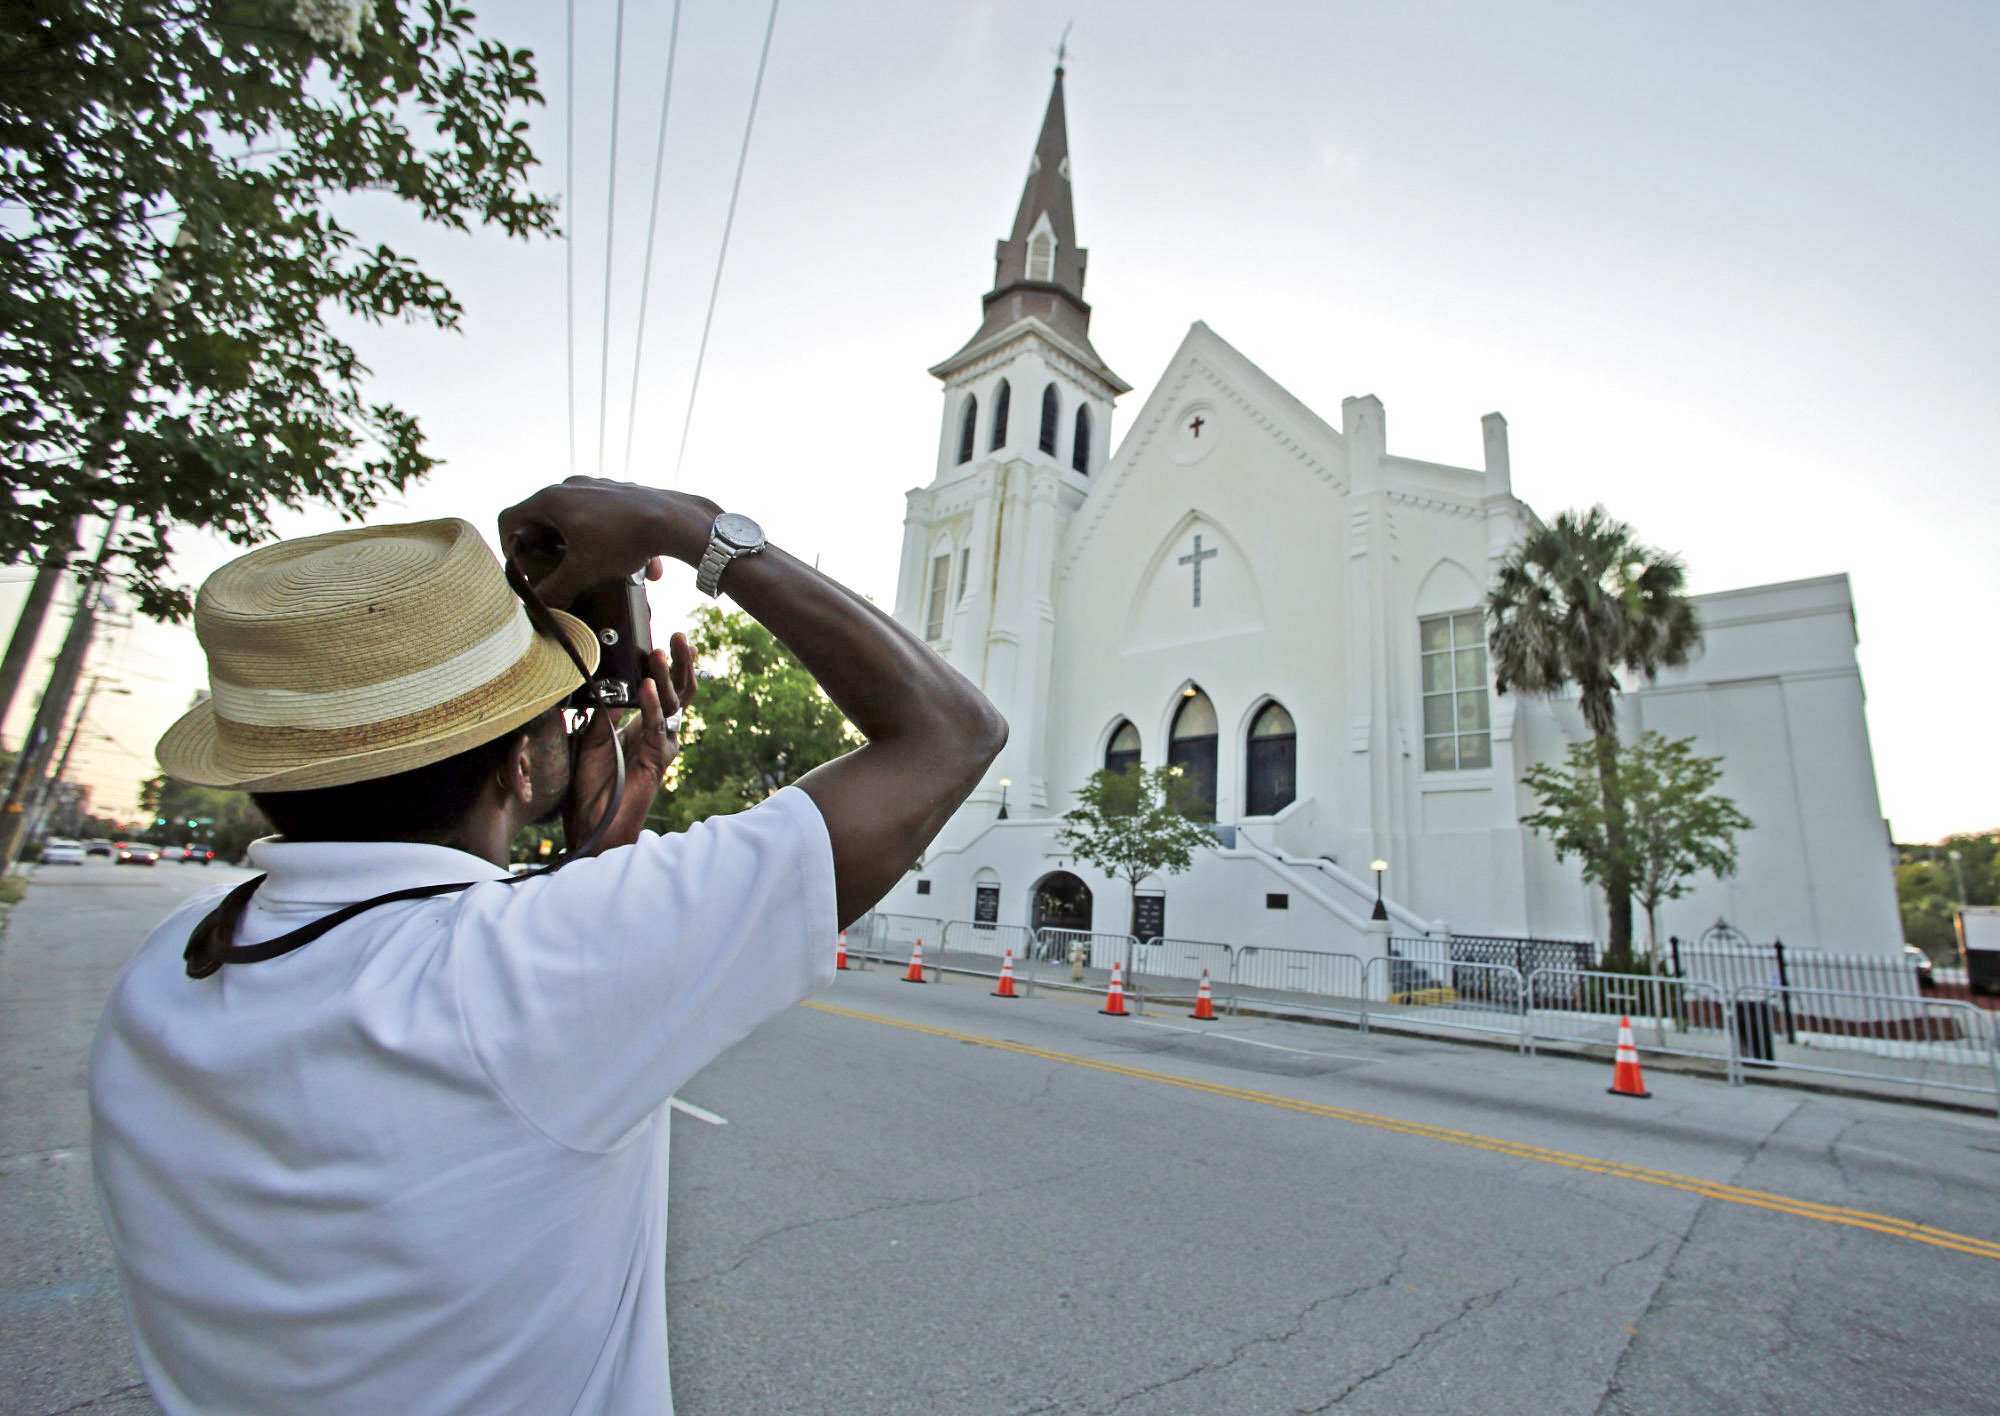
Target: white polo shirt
420,1164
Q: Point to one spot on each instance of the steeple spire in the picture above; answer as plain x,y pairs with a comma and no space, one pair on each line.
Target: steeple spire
1038,270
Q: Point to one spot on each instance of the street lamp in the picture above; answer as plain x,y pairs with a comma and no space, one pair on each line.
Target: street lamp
1004,784
1381,910
1958,875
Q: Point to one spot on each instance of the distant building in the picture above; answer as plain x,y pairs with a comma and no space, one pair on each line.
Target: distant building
1292,613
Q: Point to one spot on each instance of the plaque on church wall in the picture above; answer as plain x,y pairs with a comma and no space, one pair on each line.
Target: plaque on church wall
986,904
1149,917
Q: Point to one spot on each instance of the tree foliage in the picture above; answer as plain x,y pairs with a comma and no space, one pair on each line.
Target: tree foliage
174,238
1676,825
1136,823
1575,605
759,723
175,813
1928,888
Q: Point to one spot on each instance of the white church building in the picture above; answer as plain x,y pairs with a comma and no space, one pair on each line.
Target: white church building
1293,613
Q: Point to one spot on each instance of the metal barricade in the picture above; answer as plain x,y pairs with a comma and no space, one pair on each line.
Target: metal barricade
1426,994
1163,964
891,937
1883,1037
1299,980
1684,1017
971,947
1098,952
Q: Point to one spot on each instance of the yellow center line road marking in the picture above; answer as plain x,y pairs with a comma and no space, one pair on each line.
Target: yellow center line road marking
1712,1189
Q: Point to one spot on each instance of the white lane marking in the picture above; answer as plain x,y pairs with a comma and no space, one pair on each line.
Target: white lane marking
688,1108
1253,1042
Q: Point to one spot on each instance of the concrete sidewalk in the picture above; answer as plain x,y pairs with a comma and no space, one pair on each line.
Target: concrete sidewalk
63,1345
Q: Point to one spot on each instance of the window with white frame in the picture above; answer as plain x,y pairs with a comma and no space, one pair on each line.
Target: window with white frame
964,572
1458,729
940,587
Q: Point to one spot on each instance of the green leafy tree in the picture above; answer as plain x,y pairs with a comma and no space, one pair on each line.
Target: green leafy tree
1577,604
759,723
1931,884
177,813
1135,823
176,238
1675,825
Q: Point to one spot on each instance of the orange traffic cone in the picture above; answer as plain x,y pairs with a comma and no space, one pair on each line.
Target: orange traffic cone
1114,998
1625,1078
1006,988
1204,1002
840,957
916,970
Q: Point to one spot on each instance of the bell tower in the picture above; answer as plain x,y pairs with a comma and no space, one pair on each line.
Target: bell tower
1026,426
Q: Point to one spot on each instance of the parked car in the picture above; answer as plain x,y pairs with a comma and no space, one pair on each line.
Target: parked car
1921,962
61,853
196,854
137,853
100,848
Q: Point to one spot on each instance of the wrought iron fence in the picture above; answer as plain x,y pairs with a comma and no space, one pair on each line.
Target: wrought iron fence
1727,958
1524,953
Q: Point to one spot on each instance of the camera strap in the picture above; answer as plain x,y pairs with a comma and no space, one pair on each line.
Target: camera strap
208,946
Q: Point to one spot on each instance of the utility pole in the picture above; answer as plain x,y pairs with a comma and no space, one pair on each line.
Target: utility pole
34,612
44,798
54,710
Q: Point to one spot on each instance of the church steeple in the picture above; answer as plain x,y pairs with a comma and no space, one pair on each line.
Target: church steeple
1038,269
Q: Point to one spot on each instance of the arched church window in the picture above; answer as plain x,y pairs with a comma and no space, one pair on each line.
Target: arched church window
1051,416
1191,747
1042,257
1000,400
967,427
934,601
1122,753
1271,772
1079,457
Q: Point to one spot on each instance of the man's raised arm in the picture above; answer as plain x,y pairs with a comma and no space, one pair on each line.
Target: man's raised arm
930,733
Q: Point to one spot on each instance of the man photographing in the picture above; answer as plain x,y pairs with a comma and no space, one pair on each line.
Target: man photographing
412,1157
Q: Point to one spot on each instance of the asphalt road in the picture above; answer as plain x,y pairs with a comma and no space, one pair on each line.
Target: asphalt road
926,1200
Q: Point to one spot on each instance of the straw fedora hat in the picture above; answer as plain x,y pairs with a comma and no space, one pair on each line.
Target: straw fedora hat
360,654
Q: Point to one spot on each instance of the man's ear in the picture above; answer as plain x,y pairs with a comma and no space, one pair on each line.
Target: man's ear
516,773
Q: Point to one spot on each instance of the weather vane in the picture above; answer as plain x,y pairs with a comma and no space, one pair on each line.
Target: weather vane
1062,47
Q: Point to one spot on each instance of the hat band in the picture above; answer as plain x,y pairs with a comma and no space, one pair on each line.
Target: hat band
368,705
252,748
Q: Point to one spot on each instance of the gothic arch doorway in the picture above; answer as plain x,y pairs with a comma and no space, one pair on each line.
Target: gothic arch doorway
1061,902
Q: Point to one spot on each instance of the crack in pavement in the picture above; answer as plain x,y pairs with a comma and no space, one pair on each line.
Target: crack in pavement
750,1248
1478,1302
1242,1349
131,1389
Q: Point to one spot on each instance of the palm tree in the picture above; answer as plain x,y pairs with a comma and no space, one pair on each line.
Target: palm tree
1575,605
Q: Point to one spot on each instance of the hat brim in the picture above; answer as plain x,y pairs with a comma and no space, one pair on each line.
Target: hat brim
197,749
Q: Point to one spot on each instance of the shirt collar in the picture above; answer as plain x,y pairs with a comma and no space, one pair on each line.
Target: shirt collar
342,872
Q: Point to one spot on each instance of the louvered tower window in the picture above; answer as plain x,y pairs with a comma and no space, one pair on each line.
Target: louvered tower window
1051,417
1000,401
967,428
1079,456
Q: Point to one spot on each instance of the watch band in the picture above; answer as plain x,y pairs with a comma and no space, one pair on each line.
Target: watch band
716,559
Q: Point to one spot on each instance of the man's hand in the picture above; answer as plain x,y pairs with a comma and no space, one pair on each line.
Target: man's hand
605,530
650,742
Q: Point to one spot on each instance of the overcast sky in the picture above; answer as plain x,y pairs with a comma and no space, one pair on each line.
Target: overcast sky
1727,269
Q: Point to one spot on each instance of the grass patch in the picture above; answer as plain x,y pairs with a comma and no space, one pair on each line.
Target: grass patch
12,888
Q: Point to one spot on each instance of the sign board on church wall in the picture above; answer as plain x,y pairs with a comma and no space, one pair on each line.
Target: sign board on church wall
1149,917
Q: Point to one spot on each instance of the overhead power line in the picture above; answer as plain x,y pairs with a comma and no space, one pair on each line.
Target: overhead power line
652,225
569,220
721,255
610,228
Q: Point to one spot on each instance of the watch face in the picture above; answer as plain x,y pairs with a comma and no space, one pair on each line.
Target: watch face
738,530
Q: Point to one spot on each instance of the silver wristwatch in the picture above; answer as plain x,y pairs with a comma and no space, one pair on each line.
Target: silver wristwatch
731,536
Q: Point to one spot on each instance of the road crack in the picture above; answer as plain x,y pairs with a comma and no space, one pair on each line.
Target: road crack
1478,1302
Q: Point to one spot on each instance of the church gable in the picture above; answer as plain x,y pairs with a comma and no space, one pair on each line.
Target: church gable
1199,584
1212,412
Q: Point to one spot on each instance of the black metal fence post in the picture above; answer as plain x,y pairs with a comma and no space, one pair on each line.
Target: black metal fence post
1674,944
1785,990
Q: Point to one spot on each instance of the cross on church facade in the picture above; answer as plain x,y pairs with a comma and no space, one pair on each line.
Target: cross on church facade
1195,426
1195,558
